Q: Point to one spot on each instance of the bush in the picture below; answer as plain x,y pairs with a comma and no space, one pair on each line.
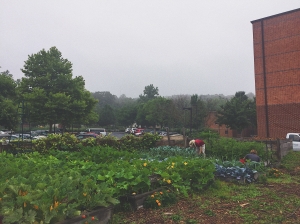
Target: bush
65,142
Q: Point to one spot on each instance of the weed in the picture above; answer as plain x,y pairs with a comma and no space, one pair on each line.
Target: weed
220,190
209,213
291,161
191,221
176,218
117,219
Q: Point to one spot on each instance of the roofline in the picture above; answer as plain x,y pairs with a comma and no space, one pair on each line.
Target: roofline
279,14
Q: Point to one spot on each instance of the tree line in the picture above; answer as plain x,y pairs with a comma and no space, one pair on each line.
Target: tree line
49,94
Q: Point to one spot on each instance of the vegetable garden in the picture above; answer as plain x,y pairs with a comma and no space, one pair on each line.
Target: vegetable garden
63,177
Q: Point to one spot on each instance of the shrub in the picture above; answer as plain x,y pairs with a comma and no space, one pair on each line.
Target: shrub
65,142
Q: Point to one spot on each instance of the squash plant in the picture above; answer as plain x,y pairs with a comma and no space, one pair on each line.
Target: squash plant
55,185
46,190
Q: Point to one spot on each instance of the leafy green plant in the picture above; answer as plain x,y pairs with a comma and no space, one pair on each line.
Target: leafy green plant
163,152
43,189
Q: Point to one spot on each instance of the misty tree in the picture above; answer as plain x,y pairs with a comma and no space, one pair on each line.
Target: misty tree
237,113
150,92
159,111
127,114
107,116
8,104
199,111
105,98
52,93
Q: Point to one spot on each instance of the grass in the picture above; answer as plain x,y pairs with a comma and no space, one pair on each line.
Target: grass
291,161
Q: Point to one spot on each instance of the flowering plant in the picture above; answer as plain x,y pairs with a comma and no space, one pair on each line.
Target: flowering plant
275,173
161,198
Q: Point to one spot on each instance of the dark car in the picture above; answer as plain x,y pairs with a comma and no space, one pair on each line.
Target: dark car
86,135
39,132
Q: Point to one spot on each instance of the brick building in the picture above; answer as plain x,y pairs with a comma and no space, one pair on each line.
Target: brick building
276,41
224,131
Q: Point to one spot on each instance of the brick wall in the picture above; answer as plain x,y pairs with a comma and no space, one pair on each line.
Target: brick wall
223,130
276,42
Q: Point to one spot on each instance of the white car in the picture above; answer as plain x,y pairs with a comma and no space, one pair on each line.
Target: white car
295,137
97,131
132,130
39,137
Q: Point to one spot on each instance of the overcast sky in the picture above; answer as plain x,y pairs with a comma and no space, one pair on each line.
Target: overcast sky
180,46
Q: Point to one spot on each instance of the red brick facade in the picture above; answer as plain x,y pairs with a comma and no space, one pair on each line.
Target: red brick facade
276,41
223,130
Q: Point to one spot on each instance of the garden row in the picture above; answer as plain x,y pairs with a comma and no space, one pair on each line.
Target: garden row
60,179
216,146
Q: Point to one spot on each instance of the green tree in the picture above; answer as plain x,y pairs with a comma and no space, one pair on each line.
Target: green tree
141,115
150,92
237,113
105,98
199,111
8,105
126,115
159,111
54,96
107,116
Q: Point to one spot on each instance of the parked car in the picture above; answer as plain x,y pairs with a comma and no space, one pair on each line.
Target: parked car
38,137
139,131
6,138
97,131
86,135
163,133
39,133
148,131
24,136
6,131
132,130
295,137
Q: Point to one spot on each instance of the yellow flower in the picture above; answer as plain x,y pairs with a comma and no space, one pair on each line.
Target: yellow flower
55,204
172,167
161,192
145,164
36,207
51,208
152,196
173,164
169,181
157,201
159,204
84,194
185,163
